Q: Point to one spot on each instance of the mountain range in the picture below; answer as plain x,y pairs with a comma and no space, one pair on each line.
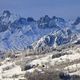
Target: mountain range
19,33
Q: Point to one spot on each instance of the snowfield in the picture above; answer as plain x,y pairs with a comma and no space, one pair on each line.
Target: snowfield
68,63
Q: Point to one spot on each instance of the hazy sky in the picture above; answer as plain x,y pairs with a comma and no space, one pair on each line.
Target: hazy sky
37,8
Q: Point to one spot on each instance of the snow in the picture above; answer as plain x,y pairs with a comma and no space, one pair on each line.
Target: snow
71,61
13,70
73,68
29,33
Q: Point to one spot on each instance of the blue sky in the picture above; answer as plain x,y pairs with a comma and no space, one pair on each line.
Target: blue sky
38,8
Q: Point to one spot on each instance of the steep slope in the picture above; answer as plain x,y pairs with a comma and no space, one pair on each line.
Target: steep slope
67,60
18,33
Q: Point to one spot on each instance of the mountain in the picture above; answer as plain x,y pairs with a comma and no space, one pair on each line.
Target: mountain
18,33
42,48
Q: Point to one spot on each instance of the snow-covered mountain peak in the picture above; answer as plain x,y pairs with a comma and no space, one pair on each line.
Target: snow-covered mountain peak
17,33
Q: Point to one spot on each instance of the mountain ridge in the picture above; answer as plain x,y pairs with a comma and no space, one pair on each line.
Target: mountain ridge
16,34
